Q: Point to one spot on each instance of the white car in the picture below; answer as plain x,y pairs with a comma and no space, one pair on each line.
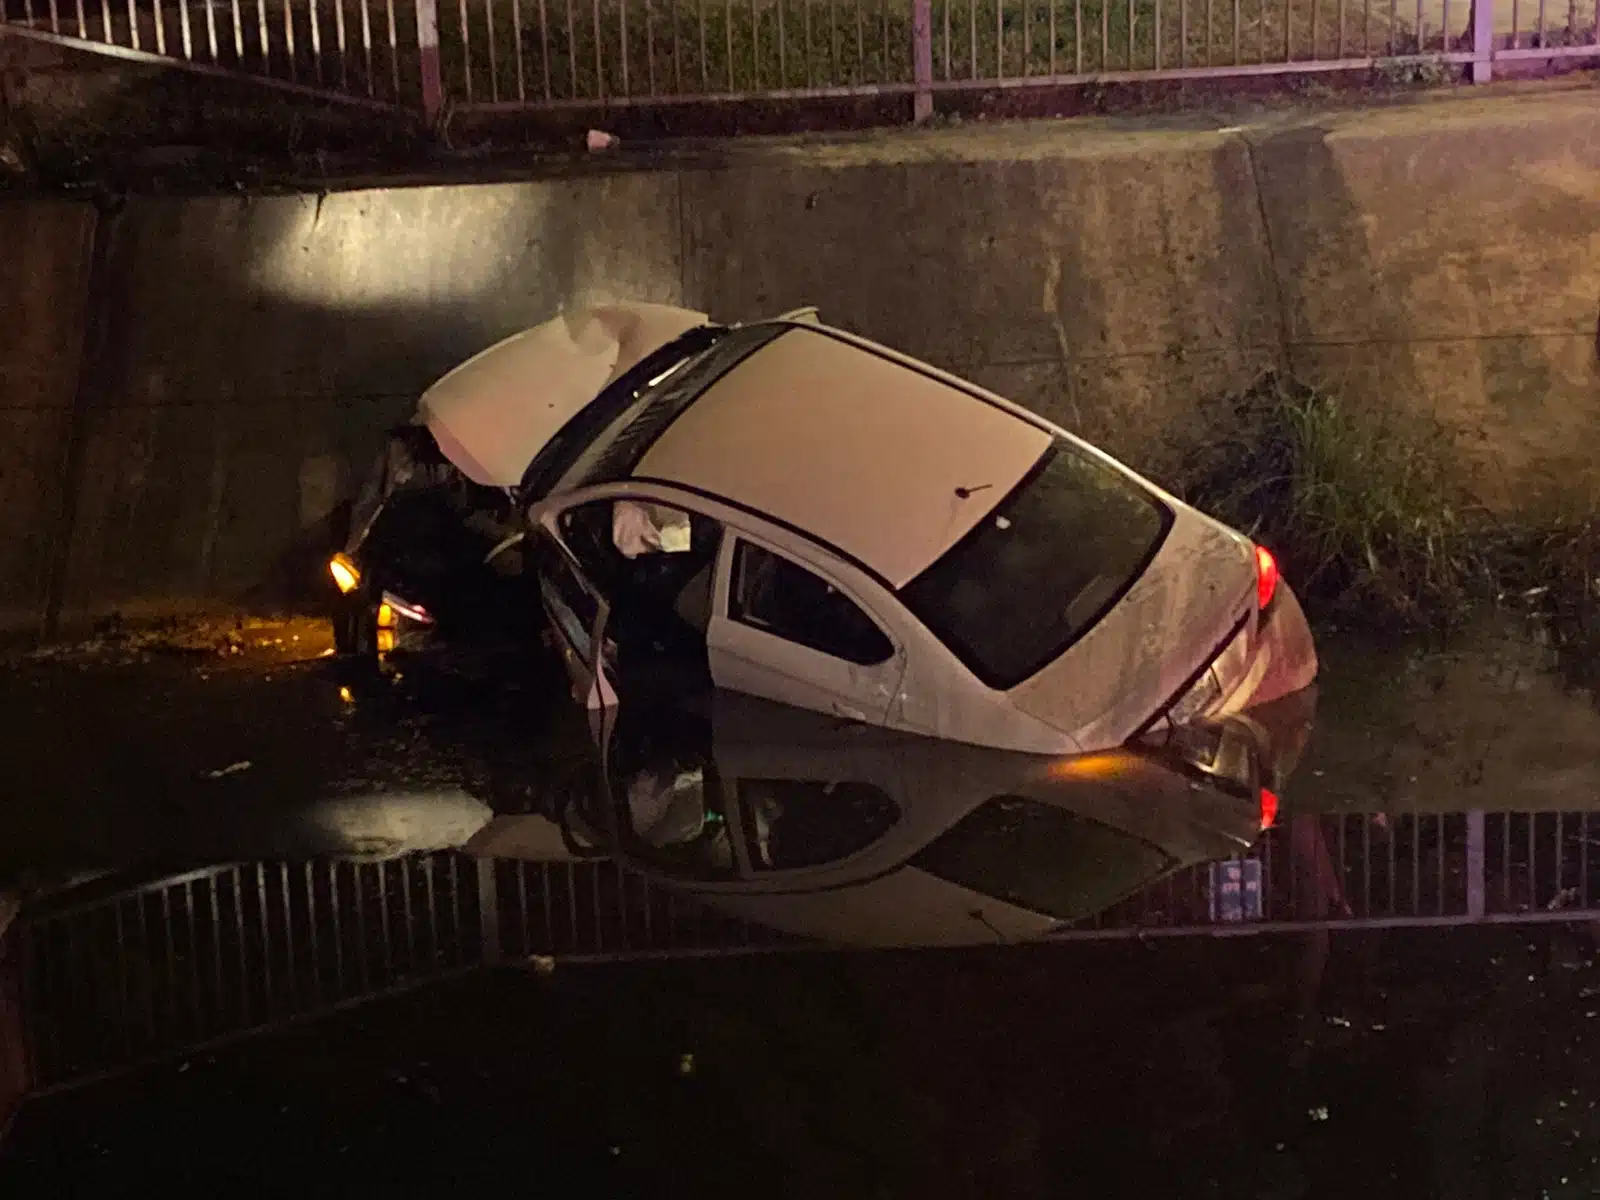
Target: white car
790,511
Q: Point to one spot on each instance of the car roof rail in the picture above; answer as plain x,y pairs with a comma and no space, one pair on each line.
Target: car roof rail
809,315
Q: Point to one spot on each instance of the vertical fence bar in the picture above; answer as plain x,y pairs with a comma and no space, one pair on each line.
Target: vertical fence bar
1131,11
805,32
316,40
237,878
427,54
572,46
338,929
544,51
1027,42
488,911
383,922
861,41
133,23
194,957
1052,36
922,58
422,43
1316,7
1439,866
1416,864
1446,19
727,30
1542,41
408,915
1183,30
1288,29
491,42
266,940
1155,35
394,48
522,908
755,44
1475,857
55,21
161,28
366,48
288,37
105,26
83,23
1533,870
972,44
1583,859
650,46
1105,35
622,44
433,910
291,981
1077,35
1366,28
999,39
466,48
572,908
1505,865
359,904
313,942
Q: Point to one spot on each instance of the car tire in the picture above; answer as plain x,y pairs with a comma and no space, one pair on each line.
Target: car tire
355,628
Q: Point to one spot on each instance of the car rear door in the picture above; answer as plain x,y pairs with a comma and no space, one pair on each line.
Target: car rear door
783,629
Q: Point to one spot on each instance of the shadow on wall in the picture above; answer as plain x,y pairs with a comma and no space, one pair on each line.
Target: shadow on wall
256,349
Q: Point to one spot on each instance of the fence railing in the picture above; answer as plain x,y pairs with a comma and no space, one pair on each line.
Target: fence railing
207,957
437,56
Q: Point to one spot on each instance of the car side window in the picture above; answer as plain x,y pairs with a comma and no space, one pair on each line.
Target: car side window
793,824
780,597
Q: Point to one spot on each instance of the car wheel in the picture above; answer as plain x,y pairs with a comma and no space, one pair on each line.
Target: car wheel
355,628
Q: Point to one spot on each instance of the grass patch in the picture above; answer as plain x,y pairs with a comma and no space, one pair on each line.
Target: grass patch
1374,526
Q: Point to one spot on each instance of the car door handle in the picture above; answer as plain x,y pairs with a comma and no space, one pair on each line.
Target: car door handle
850,714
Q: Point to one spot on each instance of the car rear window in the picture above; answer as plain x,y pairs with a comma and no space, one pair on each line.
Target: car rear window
1042,568
1042,858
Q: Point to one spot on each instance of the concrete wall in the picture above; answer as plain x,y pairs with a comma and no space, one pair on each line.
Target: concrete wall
44,260
1441,258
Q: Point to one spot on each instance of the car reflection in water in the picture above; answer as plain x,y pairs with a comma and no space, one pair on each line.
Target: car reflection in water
863,836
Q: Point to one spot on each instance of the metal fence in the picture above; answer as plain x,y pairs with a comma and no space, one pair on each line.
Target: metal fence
439,56
188,962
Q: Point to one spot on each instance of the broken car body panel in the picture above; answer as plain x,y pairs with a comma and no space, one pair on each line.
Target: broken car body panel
494,413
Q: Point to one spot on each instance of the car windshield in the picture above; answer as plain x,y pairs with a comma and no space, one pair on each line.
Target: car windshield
558,455
1041,858
660,399
1042,568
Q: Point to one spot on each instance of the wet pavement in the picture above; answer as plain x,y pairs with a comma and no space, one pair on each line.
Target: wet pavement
286,924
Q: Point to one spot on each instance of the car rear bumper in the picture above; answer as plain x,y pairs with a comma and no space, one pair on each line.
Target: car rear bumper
1285,659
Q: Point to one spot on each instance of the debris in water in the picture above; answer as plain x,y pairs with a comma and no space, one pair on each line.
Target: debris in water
1339,1021
1320,1113
230,769
347,695
686,1064
598,139
543,964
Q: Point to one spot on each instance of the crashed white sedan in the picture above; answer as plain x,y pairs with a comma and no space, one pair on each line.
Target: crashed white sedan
788,510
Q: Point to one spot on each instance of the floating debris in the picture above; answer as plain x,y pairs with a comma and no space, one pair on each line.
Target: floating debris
230,769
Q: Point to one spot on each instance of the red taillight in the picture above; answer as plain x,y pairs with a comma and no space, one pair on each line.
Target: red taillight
1266,577
1269,808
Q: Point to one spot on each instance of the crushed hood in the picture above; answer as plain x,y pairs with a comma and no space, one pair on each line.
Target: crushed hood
492,414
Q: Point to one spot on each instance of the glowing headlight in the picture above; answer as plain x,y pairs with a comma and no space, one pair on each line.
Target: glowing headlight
345,573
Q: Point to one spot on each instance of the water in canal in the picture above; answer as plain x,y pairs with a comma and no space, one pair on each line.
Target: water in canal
275,925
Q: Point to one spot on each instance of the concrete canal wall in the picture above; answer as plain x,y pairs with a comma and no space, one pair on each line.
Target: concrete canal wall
1439,258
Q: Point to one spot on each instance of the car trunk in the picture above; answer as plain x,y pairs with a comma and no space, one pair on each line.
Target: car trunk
1172,623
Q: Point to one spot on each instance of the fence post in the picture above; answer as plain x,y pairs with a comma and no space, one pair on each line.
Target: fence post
489,910
428,58
1482,40
922,58
1475,856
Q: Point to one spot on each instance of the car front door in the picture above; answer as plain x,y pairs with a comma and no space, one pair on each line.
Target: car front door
579,615
783,631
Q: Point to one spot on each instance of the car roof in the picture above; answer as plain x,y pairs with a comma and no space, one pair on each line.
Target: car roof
850,445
